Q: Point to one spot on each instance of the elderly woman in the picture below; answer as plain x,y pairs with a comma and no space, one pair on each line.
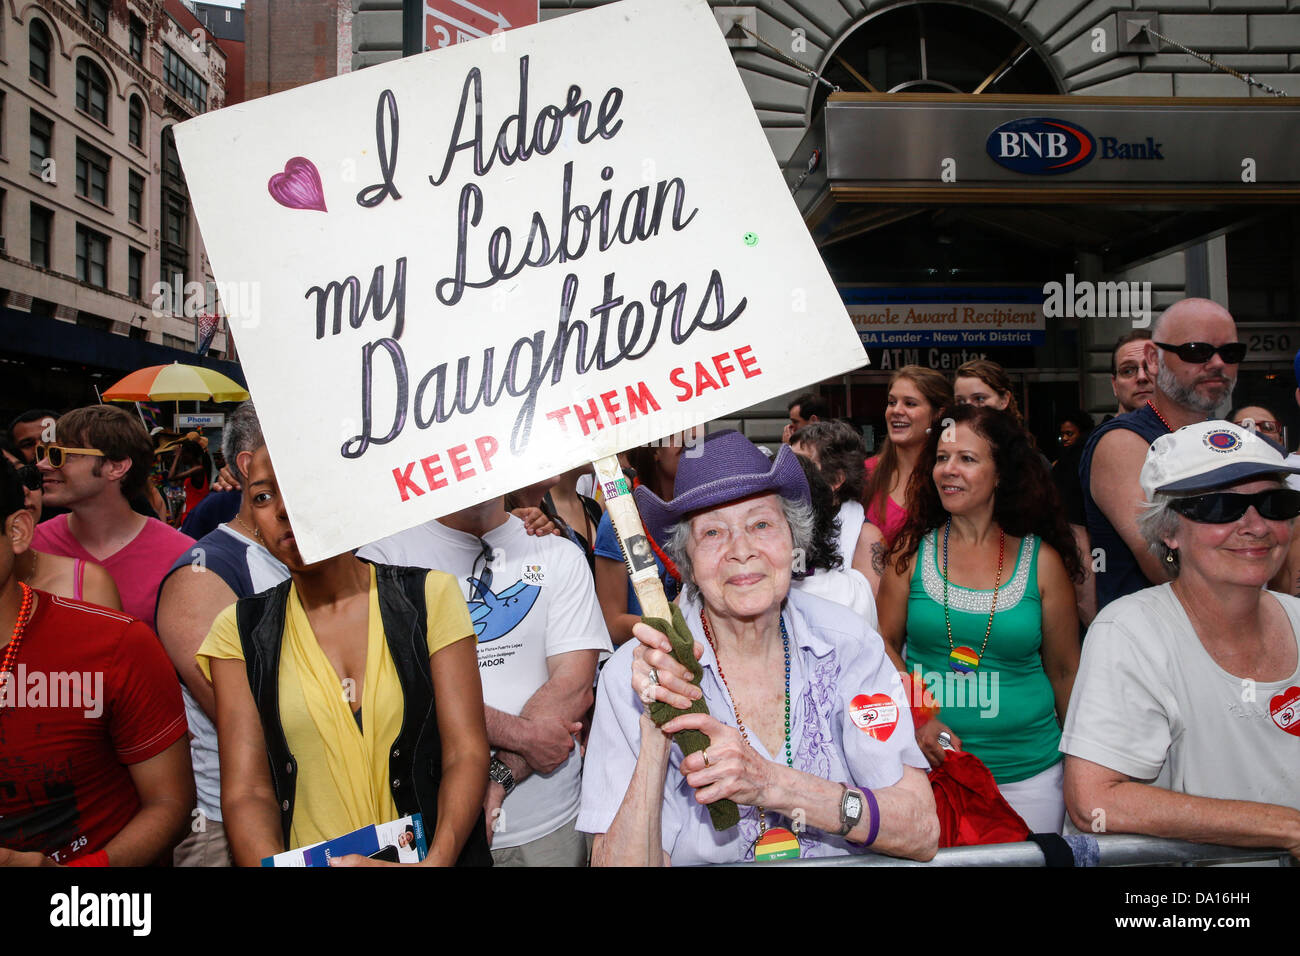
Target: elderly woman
1185,719
808,727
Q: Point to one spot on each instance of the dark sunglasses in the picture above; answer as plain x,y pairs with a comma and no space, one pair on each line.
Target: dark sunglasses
1223,507
1198,353
30,476
480,582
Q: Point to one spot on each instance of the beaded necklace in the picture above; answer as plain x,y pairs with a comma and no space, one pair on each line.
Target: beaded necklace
1152,405
785,647
963,659
20,625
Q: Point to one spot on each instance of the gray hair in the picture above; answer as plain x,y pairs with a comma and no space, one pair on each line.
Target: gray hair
243,433
1157,521
798,515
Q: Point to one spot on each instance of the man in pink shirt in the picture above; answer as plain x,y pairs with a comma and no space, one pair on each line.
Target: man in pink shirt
99,460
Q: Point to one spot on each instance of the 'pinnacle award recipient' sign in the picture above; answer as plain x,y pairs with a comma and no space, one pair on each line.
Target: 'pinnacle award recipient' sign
492,262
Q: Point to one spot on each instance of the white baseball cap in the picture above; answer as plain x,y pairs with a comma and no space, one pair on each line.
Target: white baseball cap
1209,455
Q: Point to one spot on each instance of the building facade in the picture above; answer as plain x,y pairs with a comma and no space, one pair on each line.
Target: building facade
227,25
292,42
94,209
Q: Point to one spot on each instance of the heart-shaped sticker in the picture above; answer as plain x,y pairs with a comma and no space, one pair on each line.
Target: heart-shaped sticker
877,714
298,187
1285,710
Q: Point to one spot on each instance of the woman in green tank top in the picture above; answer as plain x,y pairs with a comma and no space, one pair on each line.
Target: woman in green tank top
980,599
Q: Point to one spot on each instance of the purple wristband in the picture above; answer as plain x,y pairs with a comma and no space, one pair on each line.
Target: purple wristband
875,816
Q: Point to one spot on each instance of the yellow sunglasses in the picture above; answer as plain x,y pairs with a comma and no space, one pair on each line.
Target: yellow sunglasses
58,454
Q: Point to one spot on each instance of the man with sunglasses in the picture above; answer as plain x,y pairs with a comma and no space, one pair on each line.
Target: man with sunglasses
1184,721
540,631
1195,354
98,462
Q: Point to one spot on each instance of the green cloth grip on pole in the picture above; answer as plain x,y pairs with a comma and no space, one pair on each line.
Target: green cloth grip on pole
724,813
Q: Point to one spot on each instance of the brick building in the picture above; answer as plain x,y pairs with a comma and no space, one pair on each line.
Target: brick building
292,42
94,209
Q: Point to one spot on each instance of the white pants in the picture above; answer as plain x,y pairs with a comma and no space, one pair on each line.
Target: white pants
1040,799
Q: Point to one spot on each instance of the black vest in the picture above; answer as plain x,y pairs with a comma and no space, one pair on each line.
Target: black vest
1121,573
415,761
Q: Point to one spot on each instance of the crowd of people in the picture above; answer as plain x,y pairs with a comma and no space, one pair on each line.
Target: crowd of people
1112,630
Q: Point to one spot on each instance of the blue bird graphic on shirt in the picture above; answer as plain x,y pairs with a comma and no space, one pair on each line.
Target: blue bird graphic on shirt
495,615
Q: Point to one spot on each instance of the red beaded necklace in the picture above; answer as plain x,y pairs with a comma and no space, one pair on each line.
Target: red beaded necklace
1152,405
11,652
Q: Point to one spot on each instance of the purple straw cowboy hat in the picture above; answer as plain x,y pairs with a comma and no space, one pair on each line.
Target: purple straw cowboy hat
728,468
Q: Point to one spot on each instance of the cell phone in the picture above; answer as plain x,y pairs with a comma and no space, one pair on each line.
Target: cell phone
387,853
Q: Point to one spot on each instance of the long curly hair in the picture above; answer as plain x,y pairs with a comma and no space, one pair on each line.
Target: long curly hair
1025,499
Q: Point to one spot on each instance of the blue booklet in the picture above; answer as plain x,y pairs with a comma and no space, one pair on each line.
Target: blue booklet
399,841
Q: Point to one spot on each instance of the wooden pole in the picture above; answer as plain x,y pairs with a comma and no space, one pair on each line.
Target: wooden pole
628,529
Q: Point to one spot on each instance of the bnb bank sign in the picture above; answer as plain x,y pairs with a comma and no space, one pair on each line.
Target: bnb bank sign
1047,147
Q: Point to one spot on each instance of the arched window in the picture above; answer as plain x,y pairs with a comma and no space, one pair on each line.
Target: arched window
39,44
92,89
135,126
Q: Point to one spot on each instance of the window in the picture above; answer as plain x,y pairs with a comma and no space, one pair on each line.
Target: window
92,173
137,39
134,196
92,257
135,126
41,227
96,11
39,43
134,273
92,90
173,246
42,142
184,79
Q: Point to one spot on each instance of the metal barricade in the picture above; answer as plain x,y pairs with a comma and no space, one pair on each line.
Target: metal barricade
1111,849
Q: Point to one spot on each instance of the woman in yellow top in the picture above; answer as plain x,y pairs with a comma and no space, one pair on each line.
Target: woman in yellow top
325,674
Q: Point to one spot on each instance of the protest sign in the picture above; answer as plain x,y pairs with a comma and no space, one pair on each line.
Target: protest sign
492,262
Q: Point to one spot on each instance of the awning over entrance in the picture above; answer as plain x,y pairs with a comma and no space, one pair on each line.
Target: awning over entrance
31,335
1125,179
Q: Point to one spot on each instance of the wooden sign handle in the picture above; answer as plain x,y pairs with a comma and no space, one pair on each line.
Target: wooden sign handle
638,557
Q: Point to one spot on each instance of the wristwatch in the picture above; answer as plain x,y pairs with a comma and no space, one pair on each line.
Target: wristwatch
850,809
498,772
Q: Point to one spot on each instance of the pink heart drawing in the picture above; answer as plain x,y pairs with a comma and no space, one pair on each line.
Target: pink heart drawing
298,187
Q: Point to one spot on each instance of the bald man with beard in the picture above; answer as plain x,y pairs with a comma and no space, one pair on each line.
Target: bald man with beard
1194,382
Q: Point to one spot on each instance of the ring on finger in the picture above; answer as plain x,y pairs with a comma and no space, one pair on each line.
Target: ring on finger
705,754
654,676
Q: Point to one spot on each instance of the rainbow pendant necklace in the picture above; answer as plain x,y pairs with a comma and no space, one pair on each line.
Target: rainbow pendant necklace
773,843
962,659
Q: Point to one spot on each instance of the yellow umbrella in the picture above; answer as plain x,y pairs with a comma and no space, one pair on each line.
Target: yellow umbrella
175,383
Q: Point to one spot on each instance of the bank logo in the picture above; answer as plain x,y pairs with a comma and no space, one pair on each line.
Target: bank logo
1041,147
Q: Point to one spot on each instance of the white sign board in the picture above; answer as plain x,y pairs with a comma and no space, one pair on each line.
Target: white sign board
463,271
